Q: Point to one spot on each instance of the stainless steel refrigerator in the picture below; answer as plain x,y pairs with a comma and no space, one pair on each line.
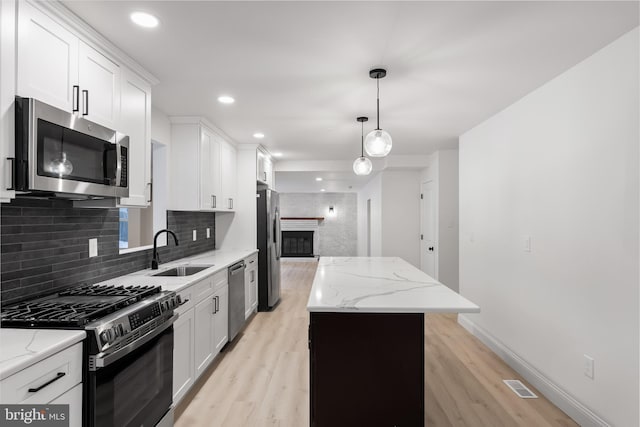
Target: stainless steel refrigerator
269,249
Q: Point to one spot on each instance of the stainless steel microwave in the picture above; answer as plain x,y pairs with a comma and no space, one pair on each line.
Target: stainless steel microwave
62,153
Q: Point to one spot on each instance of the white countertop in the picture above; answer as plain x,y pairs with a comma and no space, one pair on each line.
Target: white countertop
380,285
219,260
21,348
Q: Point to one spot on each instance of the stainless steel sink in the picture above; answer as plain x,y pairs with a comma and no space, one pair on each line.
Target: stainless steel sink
183,270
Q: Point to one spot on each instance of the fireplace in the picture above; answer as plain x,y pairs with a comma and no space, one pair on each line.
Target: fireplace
297,243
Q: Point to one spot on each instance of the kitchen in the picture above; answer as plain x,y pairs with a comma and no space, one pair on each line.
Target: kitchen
248,140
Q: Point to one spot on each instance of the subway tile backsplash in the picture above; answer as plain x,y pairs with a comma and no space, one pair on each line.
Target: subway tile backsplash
45,246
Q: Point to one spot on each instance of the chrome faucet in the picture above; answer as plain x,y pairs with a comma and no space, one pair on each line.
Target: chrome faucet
155,260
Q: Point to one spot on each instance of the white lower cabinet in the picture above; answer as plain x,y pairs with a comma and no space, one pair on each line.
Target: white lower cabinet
250,286
56,379
200,332
204,340
73,398
221,319
183,354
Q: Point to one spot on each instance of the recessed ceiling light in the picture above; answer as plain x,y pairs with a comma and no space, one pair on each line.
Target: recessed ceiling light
258,135
225,99
278,154
322,189
144,19
318,179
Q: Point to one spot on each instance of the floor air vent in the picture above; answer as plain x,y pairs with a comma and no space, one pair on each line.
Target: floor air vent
520,389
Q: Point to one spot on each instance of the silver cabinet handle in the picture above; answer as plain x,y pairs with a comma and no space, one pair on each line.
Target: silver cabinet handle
85,101
150,185
213,201
13,173
265,176
76,99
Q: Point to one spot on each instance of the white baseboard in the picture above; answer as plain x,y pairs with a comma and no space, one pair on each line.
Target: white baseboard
563,400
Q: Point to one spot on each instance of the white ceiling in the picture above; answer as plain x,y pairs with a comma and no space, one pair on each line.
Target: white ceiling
299,70
332,182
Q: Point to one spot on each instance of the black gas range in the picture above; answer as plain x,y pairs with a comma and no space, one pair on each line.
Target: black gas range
128,352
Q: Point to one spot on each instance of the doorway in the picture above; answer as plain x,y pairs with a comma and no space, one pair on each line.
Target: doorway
428,243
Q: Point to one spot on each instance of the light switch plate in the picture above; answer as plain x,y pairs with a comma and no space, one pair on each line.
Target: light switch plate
93,248
527,244
588,366
208,233
195,235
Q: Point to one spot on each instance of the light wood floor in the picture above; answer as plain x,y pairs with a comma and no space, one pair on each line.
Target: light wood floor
263,379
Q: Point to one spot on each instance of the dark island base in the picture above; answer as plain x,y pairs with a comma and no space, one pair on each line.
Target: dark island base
367,369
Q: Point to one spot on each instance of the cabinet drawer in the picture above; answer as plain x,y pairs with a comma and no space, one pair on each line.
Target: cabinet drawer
202,289
62,371
252,261
220,279
186,295
73,398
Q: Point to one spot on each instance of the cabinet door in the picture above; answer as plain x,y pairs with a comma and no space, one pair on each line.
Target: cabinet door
247,293
7,97
99,87
221,322
254,289
183,354
135,121
204,335
261,174
73,398
268,171
228,174
47,59
210,196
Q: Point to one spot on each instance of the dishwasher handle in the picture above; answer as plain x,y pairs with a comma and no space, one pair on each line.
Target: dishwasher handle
235,269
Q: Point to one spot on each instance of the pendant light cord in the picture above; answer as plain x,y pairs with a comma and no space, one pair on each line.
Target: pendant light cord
362,144
378,102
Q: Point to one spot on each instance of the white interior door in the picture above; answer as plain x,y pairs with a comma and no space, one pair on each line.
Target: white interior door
428,252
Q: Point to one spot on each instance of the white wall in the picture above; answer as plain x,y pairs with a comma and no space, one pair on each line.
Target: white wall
160,127
372,191
395,215
401,215
561,165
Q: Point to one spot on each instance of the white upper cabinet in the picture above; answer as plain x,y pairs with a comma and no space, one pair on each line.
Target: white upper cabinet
210,194
7,94
135,121
57,68
203,167
228,168
264,167
47,59
99,85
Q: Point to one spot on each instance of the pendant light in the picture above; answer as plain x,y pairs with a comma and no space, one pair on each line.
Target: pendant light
362,165
378,142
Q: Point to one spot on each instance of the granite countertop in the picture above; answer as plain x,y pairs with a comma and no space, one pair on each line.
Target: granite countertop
21,348
218,259
380,285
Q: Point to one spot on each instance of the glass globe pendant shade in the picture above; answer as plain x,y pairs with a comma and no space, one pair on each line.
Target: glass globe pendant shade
378,143
362,166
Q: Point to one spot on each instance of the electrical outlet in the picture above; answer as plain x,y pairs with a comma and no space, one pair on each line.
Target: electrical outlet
527,244
588,366
208,233
195,235
93,248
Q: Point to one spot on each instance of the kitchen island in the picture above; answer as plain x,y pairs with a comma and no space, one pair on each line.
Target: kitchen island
366,340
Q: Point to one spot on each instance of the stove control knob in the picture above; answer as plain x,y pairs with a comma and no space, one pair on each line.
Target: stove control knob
178,300
104,337
120,330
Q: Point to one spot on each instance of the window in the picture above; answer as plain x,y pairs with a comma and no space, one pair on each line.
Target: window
124,228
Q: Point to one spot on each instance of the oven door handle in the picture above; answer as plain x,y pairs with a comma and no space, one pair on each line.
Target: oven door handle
101,360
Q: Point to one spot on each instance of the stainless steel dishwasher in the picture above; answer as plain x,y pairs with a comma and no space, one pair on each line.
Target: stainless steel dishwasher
236,298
